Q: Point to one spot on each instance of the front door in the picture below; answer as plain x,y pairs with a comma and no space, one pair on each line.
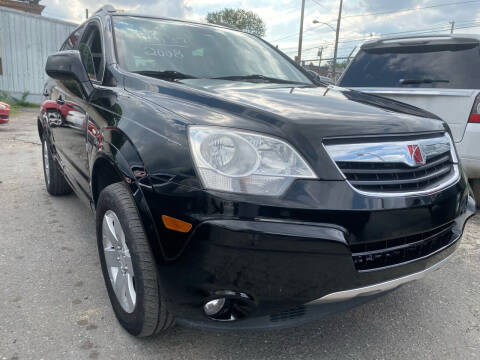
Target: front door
70,132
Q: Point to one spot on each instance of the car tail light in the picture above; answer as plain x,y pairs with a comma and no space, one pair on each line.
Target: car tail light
474,118
475,113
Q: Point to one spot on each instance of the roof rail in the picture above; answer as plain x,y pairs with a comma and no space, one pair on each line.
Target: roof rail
105,8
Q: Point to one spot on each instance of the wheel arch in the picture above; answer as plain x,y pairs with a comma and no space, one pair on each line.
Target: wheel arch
104,173
111,166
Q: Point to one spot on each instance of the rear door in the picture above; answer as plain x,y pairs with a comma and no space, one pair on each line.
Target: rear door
438,75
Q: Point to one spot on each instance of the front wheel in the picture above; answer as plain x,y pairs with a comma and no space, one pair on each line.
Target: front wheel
128,265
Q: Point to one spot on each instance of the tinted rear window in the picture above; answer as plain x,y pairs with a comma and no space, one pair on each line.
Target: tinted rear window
454,66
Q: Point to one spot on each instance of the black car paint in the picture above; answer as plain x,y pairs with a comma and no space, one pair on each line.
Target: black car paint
282,251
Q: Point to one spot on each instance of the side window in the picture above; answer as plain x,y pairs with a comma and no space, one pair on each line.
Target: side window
72,42
90,49
87,59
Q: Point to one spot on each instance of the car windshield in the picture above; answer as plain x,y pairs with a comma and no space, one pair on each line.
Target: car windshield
156,45
452,66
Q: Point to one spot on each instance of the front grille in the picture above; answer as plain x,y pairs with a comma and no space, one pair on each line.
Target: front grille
290,314
3,117
380,254
397,177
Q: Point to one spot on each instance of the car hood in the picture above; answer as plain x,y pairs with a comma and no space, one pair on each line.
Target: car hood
303,115
332,111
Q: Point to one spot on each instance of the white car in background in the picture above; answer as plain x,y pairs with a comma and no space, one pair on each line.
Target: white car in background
438,73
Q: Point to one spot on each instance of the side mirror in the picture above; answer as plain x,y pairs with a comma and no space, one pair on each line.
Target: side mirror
67,65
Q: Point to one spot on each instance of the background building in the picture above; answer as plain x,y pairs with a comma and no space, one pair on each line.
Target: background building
31,6
26,40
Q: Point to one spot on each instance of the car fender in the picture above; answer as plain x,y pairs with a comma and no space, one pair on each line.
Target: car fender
129,167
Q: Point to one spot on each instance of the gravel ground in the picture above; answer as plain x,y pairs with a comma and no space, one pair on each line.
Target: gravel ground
53,303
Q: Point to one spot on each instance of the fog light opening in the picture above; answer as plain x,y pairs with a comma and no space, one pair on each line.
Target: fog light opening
214,306
228,306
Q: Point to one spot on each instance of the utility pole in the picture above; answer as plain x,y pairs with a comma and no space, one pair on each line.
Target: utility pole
334,68
300,35
320,53
86,13
453,26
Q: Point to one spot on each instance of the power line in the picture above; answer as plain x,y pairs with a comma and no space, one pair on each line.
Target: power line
291,35
322,6
390,12
412,9
304,31
422,31
326,59
413,32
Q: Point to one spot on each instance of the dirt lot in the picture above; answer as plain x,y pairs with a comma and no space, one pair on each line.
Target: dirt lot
53,304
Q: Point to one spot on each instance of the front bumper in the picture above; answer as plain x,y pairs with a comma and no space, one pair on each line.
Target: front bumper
287,252
4,117
318,308
4,113
296,270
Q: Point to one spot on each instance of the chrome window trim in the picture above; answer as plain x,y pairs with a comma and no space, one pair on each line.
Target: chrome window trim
344,152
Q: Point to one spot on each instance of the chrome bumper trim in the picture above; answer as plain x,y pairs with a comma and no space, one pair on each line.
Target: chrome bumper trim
376,288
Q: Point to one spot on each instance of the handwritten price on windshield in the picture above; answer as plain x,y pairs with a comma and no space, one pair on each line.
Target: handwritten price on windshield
171,53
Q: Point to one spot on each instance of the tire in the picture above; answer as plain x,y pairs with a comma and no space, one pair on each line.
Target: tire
54,179
476,191
147,314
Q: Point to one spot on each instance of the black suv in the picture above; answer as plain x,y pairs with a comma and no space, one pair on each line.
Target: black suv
233,191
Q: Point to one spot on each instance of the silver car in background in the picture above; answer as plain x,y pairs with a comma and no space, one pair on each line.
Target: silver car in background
438,73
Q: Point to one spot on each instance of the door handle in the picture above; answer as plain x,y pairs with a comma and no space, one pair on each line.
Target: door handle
60,101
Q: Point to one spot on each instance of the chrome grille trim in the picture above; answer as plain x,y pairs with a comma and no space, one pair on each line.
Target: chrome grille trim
380,171
433,175
452,180
388,151
390,166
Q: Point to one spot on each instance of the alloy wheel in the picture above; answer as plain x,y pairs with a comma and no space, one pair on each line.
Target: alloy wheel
118,261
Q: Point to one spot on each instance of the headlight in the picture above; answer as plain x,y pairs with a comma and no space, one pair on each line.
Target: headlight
245,162
3,107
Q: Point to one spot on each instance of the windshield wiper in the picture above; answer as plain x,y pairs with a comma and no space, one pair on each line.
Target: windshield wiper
255,77
422,81
170,75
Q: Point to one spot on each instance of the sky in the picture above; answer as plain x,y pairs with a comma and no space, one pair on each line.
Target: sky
361,19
